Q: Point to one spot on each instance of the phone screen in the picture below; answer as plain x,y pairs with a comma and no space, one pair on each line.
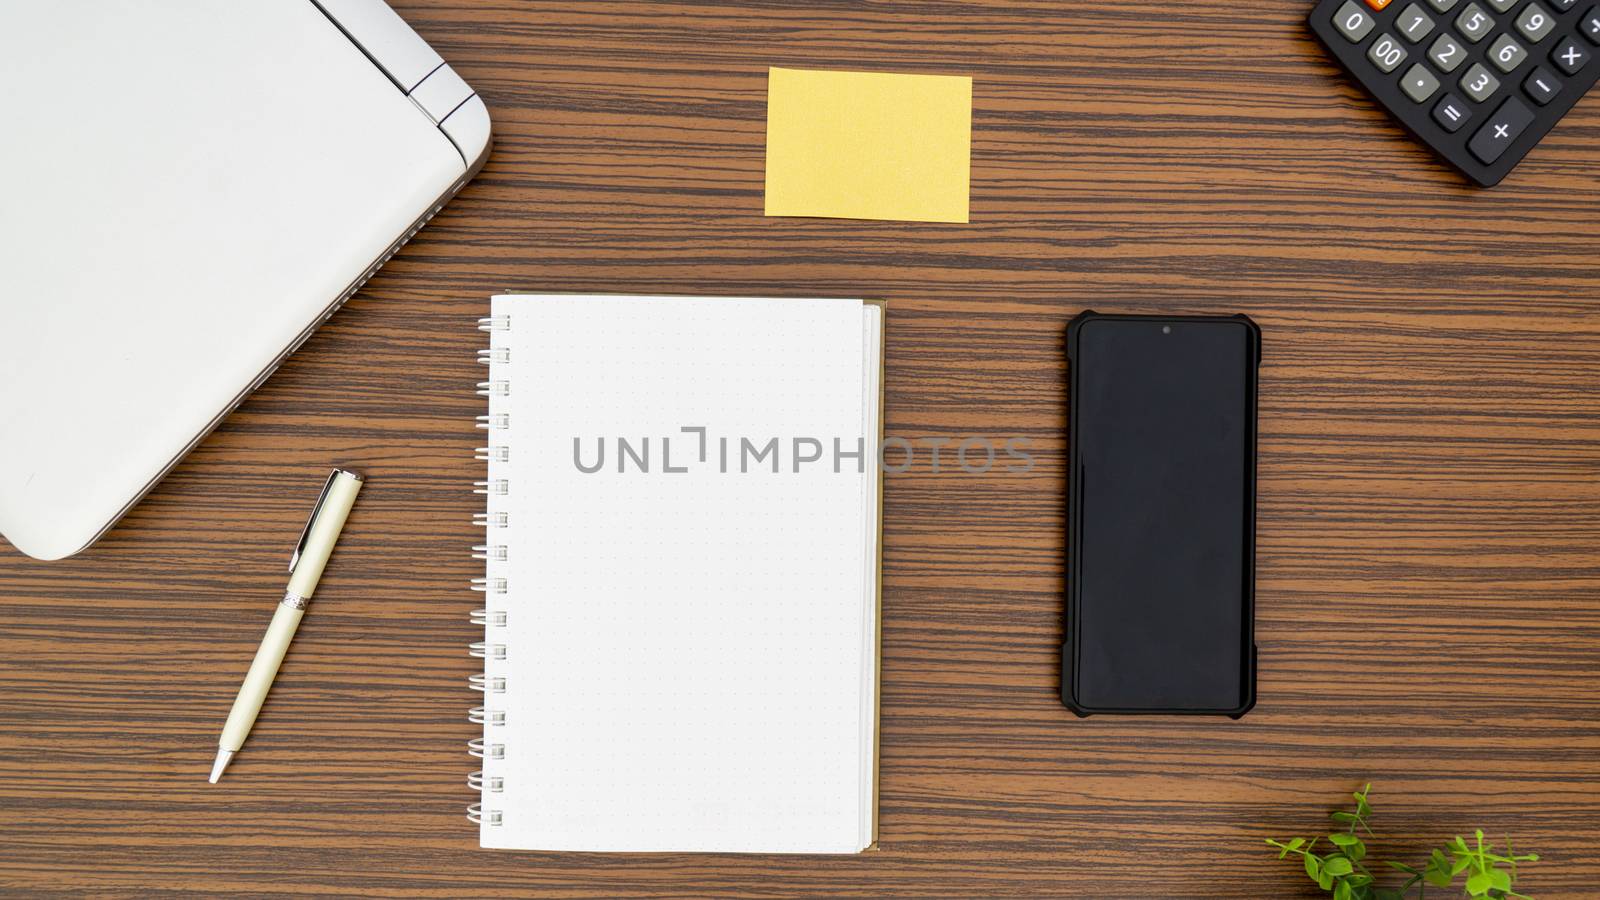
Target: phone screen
1163,430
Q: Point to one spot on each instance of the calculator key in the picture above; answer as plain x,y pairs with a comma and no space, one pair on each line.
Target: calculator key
1353,22
1506,54
1591,25
1474,23
1562,5
1442,5
1386,53
1541,86
1414,24
1418,83
1479,84
1452,113
1379,5
1535,22
1570,56
1503,127
1502,5
1446,53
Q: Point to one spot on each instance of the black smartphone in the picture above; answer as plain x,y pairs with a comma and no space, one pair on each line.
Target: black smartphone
1160,609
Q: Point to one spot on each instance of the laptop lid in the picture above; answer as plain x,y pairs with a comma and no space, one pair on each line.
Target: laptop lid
192,187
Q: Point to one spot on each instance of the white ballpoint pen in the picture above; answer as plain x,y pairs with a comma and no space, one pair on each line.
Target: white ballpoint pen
305,570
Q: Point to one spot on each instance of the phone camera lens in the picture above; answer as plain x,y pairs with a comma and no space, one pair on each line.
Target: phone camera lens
1166,329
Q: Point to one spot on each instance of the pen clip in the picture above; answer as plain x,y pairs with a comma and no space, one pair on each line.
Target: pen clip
311,520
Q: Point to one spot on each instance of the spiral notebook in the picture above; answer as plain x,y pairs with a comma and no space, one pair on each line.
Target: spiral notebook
681,558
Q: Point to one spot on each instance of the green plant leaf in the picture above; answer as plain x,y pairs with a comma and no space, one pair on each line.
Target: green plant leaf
1490,872
1286,847
1400,866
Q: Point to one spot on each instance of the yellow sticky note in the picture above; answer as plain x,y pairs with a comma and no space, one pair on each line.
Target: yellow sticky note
865,145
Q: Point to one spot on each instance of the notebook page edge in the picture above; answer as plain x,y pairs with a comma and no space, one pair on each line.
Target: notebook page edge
872,407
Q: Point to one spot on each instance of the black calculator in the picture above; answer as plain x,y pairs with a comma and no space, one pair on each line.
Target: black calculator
1479,81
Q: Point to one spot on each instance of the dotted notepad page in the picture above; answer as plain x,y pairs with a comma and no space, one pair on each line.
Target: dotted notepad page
689,657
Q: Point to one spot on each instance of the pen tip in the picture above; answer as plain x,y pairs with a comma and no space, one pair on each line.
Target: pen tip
223,756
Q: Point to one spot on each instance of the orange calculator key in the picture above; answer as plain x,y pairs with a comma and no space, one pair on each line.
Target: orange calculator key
1378,5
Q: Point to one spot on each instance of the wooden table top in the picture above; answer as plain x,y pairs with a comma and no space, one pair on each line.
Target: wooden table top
1429,572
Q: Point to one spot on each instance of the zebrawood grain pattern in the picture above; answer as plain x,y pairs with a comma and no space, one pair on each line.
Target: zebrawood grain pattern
1429,575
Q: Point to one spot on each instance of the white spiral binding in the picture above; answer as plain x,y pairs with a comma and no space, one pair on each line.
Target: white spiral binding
490,585
494,617
487,650
487,685
481,715
477,815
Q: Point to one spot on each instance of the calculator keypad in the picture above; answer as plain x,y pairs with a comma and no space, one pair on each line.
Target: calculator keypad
1478,81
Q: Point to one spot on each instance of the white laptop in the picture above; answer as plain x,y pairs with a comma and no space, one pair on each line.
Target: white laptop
191,187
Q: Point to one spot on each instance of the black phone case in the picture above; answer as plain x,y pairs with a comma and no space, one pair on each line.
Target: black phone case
1069,649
